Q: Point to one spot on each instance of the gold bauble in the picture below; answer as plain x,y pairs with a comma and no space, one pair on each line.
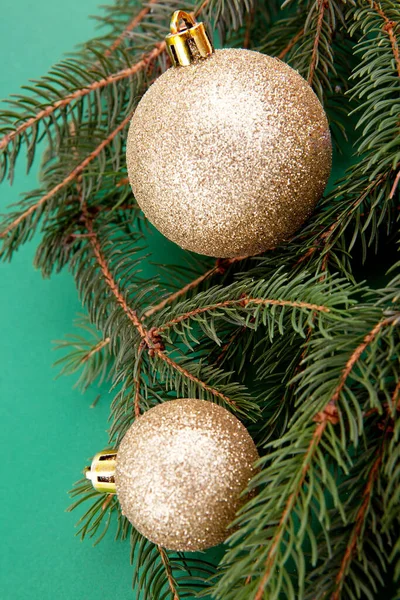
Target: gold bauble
181,469
229,155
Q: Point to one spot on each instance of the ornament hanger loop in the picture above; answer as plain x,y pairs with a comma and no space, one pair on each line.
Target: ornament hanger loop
189,44
177,17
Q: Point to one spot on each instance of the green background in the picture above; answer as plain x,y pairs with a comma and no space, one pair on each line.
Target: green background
48,428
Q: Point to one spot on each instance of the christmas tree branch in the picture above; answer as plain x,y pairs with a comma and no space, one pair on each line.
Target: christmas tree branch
97,348
291,44
322,5
177,367
241,302
178,294
219,269
359,524
73,175
135,22
148,337
108,277
80,93
389,28
289,506
171,582
306,469
111,79
355,356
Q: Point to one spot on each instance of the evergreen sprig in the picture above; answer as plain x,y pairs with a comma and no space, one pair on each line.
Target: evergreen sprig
289,341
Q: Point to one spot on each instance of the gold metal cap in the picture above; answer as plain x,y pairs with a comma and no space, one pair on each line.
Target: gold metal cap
102,471
188,44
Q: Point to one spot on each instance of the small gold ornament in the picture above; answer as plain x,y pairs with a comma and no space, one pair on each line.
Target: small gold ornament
180,472
229,151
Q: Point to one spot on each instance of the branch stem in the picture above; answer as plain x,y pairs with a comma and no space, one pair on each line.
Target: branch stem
220,267
322,419
241,302
358,525
135,22
322,6
75,174
292,43
167,567
102,344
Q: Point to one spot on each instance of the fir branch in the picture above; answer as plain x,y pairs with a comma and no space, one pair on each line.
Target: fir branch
148,337
97,348
242,302
80,93
108,277
90,356
101,83
323,5
188,375
186,288
298,466
73,175
280,530
168,570
389,27
130,26
219,268
292,42
358,526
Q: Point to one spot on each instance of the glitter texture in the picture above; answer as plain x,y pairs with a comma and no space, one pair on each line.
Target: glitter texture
228,156
181,468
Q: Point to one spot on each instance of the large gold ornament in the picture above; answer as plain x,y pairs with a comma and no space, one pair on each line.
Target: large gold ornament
228,154
180,471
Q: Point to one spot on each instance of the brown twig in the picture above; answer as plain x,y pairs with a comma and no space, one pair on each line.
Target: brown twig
122,182
316,438
96,349
108,277
358,525
136,401
323,5
327,415
96,85
396,397
164,357
292,43
220,267
129,27
243,302
322,239
167,567
107,501
172,297
394,186
148,337
75,173
249,25
358,352
389,27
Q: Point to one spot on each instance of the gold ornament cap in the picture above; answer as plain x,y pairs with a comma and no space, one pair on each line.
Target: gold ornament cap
102,471
188,44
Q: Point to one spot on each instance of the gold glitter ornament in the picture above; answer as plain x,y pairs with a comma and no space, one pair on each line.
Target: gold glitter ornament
228,154
180,471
